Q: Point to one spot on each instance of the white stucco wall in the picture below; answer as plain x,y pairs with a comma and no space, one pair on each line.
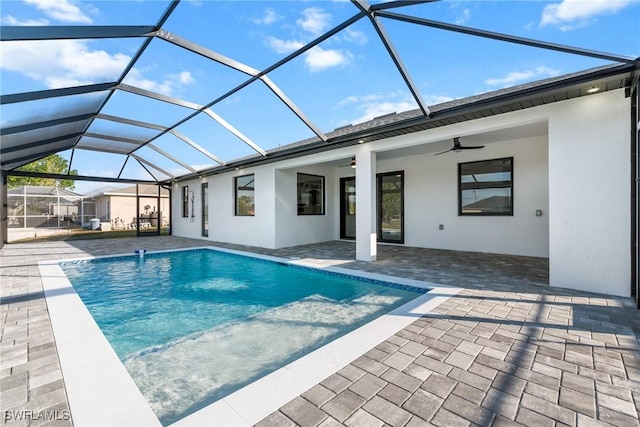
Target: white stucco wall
589,171
431,199
293,229
275,191
184,226
255,230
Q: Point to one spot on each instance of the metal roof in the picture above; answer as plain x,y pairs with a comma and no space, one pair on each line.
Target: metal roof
74,118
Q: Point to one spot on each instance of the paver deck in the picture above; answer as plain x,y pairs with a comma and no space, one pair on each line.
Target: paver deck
507,350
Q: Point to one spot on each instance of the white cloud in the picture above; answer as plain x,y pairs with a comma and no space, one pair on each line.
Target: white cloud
463,17
166,86
270,16
373,110
516,77
75,63
314,20
68,62
318,59
436,99
571,14
235,99
369,98
377,104
10,20
355,36
61,10
185,78
283,46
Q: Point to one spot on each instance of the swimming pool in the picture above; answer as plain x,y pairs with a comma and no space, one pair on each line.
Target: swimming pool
193,326
100,391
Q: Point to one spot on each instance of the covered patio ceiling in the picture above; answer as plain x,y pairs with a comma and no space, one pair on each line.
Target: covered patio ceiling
161,136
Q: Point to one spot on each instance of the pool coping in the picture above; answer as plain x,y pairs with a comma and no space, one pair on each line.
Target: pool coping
88,361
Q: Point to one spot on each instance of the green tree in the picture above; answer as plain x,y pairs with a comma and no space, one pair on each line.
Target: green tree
53,164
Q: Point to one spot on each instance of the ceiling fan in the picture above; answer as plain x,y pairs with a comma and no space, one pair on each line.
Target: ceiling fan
457,147
352,164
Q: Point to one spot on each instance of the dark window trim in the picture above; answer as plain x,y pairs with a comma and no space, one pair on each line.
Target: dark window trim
323,193
204,189
185,201
235,194
379,206
481,185
343,207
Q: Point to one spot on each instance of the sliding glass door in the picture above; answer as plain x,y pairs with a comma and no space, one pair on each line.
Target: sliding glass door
390,202
348,208
391,207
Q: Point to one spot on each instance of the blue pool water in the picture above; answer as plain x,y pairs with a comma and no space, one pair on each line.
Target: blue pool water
192,326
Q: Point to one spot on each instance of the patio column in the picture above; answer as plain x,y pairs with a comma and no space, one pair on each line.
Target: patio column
366,230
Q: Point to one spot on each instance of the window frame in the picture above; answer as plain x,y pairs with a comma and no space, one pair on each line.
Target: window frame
486,185
204,203
235,194
185,201
323,200
379,192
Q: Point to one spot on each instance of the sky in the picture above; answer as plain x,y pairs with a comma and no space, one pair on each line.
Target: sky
347,79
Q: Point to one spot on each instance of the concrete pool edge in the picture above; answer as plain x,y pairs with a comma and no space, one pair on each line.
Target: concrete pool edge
89,363
99,388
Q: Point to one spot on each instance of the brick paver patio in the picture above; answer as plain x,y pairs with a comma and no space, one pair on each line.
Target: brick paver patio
507,350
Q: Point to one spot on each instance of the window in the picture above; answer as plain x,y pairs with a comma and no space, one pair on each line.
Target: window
486,187
185,202
310,194
244,187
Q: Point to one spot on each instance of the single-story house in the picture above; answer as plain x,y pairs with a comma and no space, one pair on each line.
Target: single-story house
544,169
120,207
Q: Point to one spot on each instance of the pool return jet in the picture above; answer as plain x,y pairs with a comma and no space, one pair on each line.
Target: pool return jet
141,253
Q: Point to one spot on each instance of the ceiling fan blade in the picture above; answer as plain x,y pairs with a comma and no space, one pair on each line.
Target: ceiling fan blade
352,164
450,149
471,147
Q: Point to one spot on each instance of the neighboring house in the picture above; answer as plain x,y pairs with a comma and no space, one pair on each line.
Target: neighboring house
119,207
553,180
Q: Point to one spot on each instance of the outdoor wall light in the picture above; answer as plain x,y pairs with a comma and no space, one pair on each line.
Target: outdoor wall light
593,89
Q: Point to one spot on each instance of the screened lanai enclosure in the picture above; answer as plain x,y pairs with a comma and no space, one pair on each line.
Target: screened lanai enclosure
160,92
167,92
48,207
